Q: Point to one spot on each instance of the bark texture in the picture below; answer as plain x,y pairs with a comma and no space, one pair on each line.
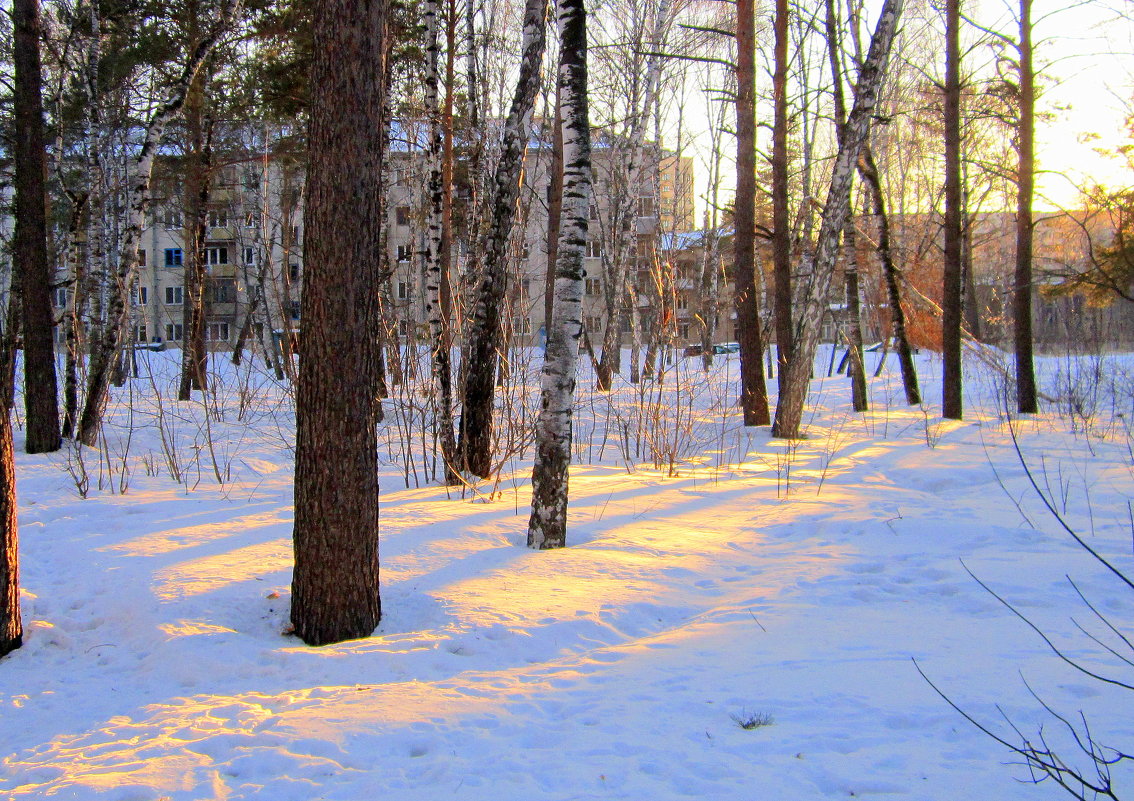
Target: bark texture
437,252
335,583
30,246
547,526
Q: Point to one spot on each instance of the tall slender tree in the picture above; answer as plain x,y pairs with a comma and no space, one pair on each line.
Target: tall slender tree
335,582
547,527
814,292
484,334
753,391
105,351
30,246
781,222
1026,398
951,313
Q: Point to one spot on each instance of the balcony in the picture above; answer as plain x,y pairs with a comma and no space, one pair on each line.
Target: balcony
222,233
222,270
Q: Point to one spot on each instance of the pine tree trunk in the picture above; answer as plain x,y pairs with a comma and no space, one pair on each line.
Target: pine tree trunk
753,392
29,249
11,625
335,583
814,294
485,336
1026,396
951,403
547,526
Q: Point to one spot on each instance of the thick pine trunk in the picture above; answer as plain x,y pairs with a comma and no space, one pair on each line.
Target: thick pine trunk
1026,396
477,424
335,583
753,392
547,526
11,625
814,295
951,403
29,249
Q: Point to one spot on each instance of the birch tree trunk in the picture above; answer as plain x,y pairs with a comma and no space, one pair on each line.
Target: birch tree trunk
951,404
29,249
436,265
547,526
857,370
814,293
484,334
335,582
105,351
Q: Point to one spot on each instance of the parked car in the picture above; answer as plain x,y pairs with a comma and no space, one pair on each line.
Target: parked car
727,347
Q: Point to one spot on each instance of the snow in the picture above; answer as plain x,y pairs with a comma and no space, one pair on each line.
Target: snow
749,578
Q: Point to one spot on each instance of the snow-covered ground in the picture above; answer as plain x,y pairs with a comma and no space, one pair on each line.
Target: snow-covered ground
742,580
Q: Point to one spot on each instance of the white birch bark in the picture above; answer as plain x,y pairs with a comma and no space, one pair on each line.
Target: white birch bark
814,290
440,368
105,351
547,526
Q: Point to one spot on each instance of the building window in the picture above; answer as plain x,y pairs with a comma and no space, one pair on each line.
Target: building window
140,334
141,257
593,287
173,257
404,252
61,297
682,302
403,327
646,206
250,256
293,310
173,296
250,220
594,249
593,324
403,290
172,217
218,218
214,256
216,332
173,332
593,212
224,291
683,330
293,272
402,215
140,296
295,234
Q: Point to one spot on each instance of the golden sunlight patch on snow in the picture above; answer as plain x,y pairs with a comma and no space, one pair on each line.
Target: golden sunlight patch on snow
209,573
189,628
174,539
